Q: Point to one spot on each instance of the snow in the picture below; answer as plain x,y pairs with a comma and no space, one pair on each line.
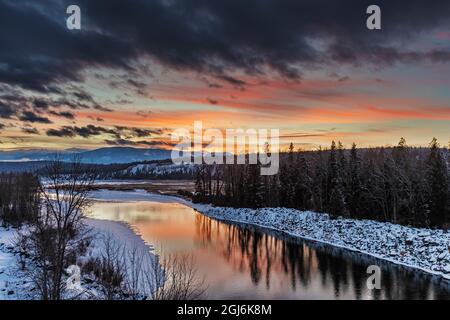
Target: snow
129,241
159,169
14,284
419,248
120,230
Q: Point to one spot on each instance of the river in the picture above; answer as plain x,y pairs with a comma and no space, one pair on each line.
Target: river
244,262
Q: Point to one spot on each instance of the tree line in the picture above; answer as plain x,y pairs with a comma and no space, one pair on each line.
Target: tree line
401,184
19,197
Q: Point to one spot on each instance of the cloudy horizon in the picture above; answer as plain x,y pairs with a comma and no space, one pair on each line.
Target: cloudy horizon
139,69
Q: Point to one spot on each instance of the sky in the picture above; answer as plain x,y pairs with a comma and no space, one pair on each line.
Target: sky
137,70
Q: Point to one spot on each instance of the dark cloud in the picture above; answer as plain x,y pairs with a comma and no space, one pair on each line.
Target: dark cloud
85,132
232,80
217,38
138,132
30,130
41,104
41,52
65,132
124,142
6,111
91,130
121,101
29,116
102,108
18,105
82,95
137,84
98,119
215,85
63,114
343,79
131,132
212,101
144,113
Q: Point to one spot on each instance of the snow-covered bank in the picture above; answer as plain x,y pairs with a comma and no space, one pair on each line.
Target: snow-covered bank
16,285
13,283
139,262
425,249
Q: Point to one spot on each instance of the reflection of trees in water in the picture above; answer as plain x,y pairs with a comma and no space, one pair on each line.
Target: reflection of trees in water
261,255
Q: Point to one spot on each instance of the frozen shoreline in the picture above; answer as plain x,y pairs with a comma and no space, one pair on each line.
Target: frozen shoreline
419,248
121,234
15,285
12,280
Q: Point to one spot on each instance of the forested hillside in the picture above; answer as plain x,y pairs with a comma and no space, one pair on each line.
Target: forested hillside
155,169
401,184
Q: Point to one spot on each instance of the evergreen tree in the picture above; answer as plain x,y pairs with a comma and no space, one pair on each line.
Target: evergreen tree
342,161
437,178
354,183
291,152
332,171
401,184
319,187
254,187
303,190
336,199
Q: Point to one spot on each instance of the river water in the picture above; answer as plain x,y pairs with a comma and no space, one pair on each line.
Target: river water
243,262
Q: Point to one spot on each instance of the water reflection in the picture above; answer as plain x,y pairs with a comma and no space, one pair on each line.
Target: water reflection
263,253
242,262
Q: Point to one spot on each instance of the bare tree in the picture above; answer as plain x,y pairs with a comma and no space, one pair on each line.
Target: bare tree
176,278
110,268
58,231
135,275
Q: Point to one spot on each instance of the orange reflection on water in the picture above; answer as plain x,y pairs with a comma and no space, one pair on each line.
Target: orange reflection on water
246,263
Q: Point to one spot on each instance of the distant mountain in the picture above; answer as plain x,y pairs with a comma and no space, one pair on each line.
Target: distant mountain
123,155
97,156
31,155
21,166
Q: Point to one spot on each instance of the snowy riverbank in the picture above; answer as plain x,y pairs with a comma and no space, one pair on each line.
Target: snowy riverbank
425,249
15,284
12,281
